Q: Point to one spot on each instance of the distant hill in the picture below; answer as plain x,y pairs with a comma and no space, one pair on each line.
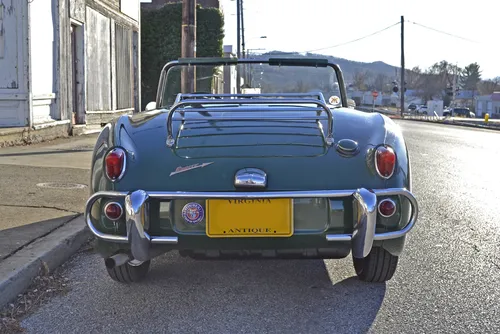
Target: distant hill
308,79
349,67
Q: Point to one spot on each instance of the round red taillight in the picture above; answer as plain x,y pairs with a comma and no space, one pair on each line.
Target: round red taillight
115,164
387,208
385,161
113,211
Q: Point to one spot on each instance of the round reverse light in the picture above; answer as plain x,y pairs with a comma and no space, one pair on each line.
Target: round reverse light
113,211
387,208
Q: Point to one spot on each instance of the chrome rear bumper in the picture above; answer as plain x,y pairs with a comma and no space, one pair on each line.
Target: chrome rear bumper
137,222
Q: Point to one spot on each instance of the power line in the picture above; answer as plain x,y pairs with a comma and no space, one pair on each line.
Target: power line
442,32
357,39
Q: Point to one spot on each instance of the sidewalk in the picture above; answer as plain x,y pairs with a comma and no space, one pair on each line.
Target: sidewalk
43,189
493,124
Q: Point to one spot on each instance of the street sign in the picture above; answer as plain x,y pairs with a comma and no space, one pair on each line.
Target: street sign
375,94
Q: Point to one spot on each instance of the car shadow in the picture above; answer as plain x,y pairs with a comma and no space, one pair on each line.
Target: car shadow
289,296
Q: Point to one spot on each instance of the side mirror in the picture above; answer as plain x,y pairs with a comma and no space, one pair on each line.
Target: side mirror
151,106
351,103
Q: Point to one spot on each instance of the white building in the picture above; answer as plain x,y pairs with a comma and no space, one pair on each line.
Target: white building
68,62
488,104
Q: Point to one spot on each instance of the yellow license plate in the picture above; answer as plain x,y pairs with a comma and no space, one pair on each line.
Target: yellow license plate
249,217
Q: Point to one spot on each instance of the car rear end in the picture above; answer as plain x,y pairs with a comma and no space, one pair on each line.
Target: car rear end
233,177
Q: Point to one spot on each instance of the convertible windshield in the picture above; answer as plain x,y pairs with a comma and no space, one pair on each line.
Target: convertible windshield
259,77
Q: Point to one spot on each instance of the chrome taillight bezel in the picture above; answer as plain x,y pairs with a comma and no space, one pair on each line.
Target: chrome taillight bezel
387,200
113,203
375,157
124,165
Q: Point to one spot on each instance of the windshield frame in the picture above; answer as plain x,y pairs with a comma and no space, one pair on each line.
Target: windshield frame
271,61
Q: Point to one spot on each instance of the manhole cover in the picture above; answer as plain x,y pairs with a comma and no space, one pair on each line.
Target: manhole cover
58,185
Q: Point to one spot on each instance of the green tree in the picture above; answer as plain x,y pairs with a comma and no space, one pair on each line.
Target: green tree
470,78
161,42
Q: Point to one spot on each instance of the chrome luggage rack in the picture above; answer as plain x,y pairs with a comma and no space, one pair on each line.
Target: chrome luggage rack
183,100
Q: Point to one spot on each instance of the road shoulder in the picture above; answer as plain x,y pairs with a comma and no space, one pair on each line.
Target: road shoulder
44,254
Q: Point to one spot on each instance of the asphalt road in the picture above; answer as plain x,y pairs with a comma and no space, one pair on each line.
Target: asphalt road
448,279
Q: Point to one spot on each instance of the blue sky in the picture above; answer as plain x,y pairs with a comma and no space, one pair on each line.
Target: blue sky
295,25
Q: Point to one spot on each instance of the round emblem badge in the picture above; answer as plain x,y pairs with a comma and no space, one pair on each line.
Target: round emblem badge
334,100
193,213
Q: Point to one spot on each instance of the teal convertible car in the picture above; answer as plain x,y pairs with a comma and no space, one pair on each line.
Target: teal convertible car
280,169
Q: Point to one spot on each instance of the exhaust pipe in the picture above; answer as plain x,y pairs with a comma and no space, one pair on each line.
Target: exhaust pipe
117,260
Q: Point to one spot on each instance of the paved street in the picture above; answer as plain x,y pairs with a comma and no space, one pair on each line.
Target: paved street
43,186
447,281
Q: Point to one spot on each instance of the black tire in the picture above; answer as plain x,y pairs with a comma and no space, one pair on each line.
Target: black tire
129,273
379,266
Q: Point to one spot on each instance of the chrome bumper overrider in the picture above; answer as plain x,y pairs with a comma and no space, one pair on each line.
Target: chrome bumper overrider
136,214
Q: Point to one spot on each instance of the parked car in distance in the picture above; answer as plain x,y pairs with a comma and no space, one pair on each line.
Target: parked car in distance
422,109
459,112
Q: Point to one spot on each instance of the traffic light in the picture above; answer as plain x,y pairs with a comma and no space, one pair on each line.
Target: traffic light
395,87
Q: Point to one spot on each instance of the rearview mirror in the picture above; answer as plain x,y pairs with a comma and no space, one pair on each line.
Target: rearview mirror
151,106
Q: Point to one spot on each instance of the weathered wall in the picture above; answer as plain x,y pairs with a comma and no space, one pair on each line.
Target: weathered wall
77,10
42,44
98,52
124,73
64,99
110,75
14,93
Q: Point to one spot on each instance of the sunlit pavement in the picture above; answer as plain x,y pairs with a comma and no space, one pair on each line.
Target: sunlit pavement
448,278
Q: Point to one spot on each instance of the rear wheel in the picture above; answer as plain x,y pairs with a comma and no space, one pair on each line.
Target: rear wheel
378,266
130,272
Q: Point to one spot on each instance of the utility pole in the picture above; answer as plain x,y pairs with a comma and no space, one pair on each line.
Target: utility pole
243,42
403,86
238,48
454,86
242,30
188,45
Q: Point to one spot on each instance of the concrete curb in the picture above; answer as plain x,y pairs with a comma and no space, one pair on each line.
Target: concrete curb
468,125
18,270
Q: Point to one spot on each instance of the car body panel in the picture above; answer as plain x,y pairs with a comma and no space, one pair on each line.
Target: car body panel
145,143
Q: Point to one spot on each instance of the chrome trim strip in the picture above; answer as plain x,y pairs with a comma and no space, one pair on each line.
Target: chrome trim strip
360,239
119,238
171,141
318,95
364,228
